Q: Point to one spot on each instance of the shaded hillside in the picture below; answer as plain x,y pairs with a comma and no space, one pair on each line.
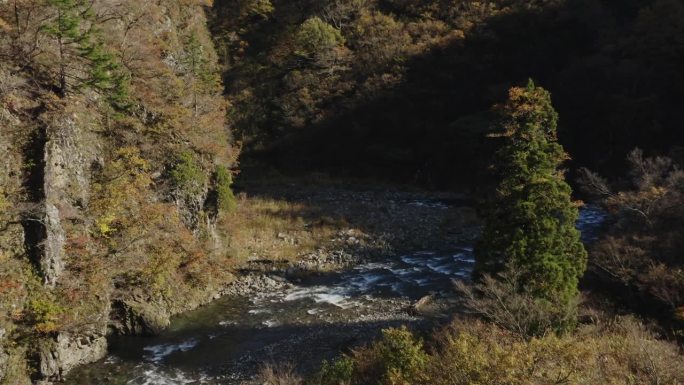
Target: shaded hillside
406,92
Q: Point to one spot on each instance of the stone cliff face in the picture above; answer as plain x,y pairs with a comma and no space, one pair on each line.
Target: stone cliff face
66,351
13,255
69,148
70,151
93,237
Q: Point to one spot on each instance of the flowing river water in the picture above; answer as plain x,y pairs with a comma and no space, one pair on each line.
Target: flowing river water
305,321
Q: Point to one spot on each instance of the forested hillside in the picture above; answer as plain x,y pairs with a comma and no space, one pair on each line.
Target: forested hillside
403,88
115,172
408,179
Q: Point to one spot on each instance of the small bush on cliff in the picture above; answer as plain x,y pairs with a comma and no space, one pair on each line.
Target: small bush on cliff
225,199
187,176
44,315
402,355
120,190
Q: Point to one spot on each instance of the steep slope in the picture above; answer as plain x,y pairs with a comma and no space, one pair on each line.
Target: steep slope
402,89
112,134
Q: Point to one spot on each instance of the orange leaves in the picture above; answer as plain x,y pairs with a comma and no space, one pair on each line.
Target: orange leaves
531,105
8,285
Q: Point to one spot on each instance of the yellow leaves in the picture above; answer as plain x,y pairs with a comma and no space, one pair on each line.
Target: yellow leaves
130,156
121,190
4,26
641,202
104,224
473,353
379,38
145,237
45,315
529,112
470,352
262,8
679,313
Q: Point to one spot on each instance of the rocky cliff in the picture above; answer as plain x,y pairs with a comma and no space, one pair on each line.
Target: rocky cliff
111,133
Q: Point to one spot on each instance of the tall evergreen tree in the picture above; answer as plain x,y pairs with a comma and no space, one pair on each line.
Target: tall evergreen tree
531,220
82,59
202,73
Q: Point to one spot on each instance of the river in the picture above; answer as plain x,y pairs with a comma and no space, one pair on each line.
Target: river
303,322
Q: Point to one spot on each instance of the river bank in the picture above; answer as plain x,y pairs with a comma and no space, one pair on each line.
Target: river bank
347,282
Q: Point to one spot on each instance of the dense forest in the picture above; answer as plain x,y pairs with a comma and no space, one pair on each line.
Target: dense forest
355,131
403,88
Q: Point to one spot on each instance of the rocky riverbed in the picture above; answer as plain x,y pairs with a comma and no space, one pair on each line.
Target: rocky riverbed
392,263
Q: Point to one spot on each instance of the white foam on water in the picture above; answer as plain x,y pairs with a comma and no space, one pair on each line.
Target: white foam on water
111,360
270,323
259,311
227,323
440,267
332,295
155,376
413,259
397,287
406,272
463,257
363,282
374,266
157,353
463,273
429,204
425,253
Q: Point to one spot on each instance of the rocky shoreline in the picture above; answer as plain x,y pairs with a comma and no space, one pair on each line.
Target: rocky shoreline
380,223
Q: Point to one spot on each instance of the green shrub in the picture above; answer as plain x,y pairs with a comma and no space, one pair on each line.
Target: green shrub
225,199
44,315
337,372
315,36
187,176
470,352
4,204
402,355
261,8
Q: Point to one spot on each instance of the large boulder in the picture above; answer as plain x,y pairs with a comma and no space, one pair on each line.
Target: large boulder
60,355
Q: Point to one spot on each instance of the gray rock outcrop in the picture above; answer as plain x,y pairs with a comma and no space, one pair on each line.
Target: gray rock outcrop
70,150
67,351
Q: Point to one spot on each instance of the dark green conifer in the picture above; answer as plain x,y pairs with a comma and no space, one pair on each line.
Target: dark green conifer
531,220
83,58
202,73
